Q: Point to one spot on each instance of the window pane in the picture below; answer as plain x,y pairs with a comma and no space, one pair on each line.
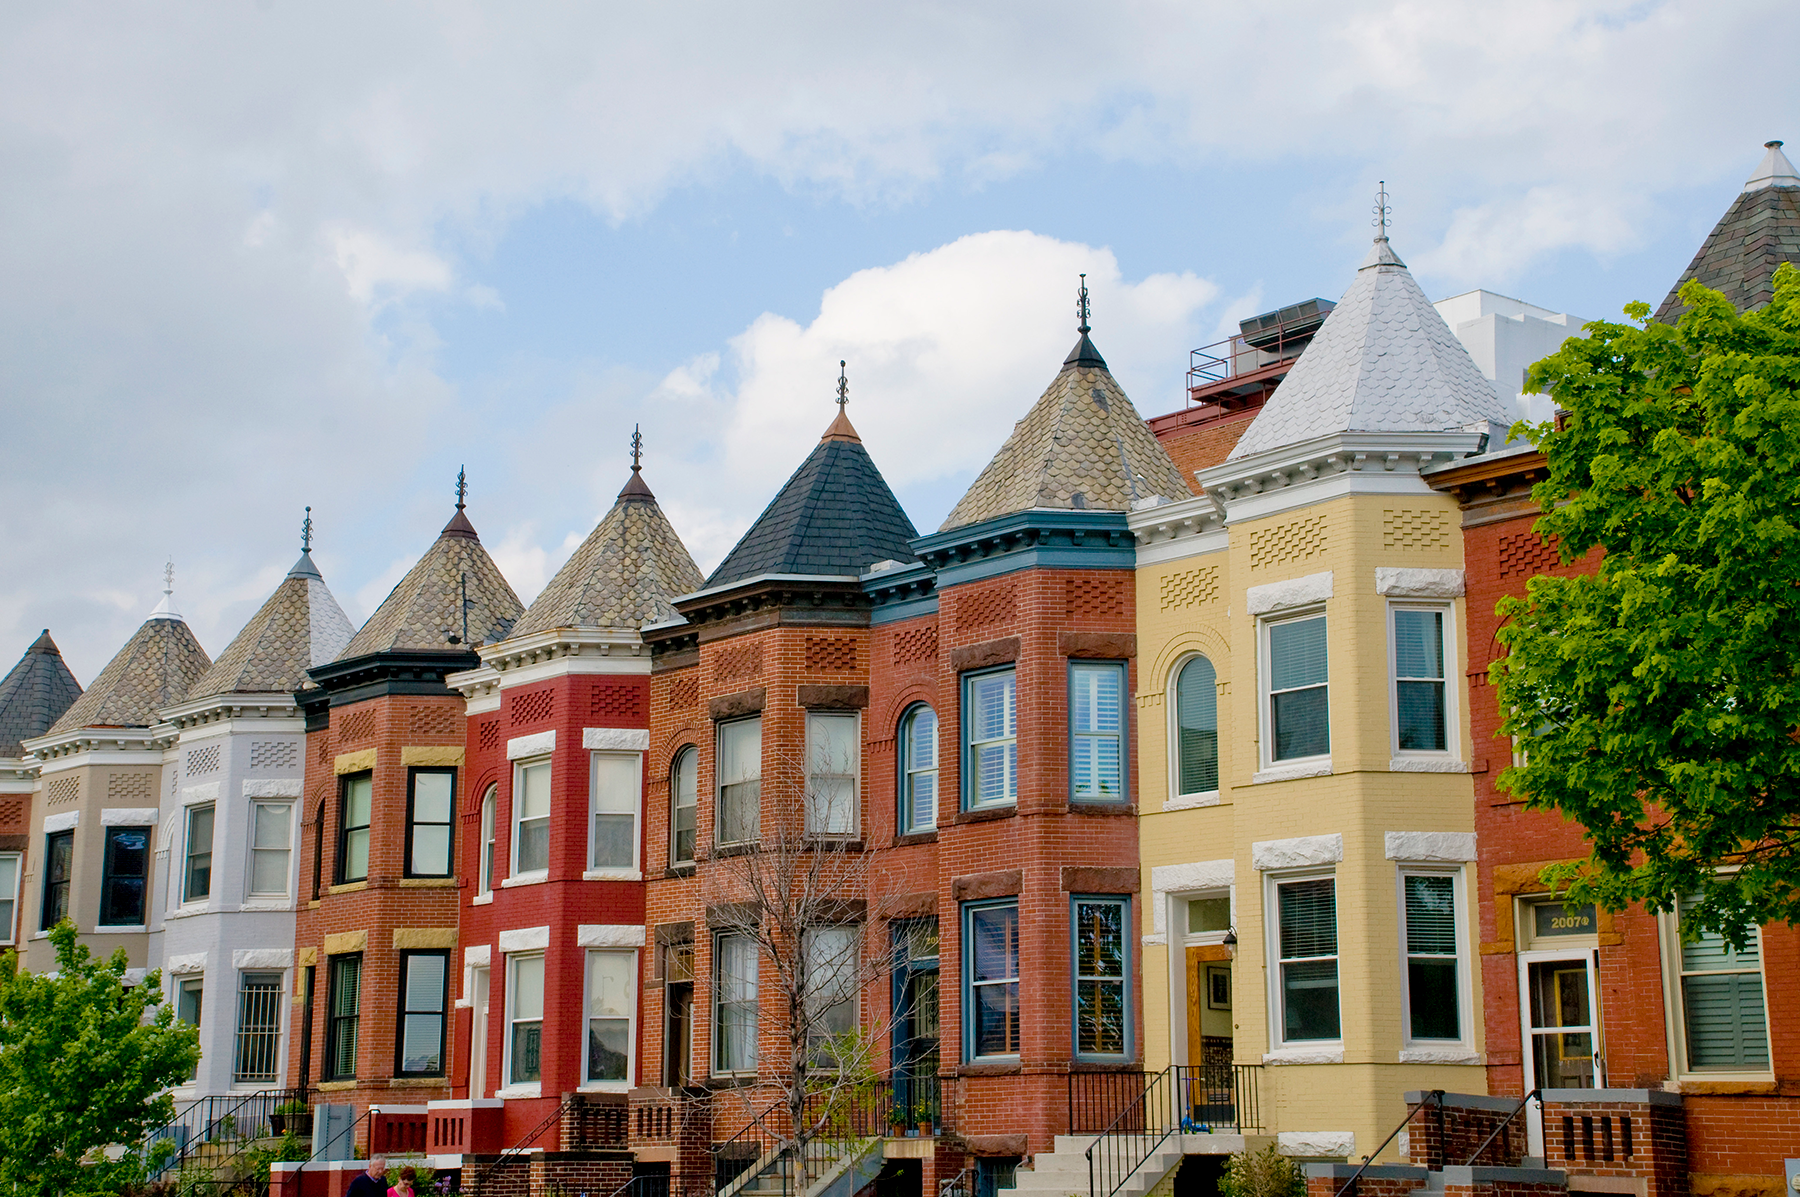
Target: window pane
122,897
734,984
919,741
1310,999
616,784
422,1023
1297,654
1727,1026
1432,998
684,788
1096,698
992,699
997,1020
1209,914
740,751
1302,725
995,771
485,883
357,791
1431,915
1100,978
1100,1017
1419,644
615,845
430,850
995,932
199,859
1419,709
273,823
1197,726
534,791
431,797
1309,919
527,1052
526,1018
356,854
528,987
425,984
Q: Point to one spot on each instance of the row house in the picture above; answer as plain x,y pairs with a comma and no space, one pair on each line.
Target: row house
33,696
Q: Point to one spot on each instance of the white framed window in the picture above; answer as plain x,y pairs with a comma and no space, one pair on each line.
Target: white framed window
1435,967
485,875
1305,948
918,769
833,760
611,1011
531,817
735,1008
615,785
991,735
271,848
832,967
190,993
1296,711
257,1059
1097,731
9,896
1718,1013
1422,701
990,979
684,805
739,811
1194,729
196,883
524,1019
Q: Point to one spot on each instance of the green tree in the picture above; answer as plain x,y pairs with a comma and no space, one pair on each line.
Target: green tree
1657,701
1265,1173
85,1064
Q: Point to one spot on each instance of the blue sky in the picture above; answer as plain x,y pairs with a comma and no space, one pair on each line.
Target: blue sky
269,254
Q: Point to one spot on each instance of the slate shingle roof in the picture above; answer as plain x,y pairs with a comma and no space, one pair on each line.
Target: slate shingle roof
156,668
1082,436
1383,361
1759,232
301,625
623,575
835,516
34,695
426,607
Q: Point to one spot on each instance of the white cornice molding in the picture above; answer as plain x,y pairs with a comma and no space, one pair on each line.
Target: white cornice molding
114,742
1184,528
1329,467
222,708
555,653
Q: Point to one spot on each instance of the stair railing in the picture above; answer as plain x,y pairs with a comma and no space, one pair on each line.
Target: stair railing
756,1134
956,1186
237,1114
1144,1125
1434,1097
1504,1123
517,1150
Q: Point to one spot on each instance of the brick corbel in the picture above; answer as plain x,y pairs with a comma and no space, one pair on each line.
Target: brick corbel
986,654
976,886
744,702
1101,646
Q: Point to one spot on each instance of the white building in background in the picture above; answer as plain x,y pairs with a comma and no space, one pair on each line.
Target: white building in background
1505,336
226,875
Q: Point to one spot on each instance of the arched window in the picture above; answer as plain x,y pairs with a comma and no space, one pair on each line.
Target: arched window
489,801
1196,728
918,769
684,804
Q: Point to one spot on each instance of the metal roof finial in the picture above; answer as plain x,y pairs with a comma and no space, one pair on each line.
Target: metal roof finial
462,488
637,449
1382,211
843,395
169,577
306,532
1081,307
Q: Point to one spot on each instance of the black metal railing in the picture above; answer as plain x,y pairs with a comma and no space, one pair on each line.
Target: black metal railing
1211,1097
1433,1097
219,1118
835,1123
1504,1123
517,1151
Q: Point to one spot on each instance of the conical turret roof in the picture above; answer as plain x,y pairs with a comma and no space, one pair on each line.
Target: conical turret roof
1383,361
301,625
624,575
34,695
834,517
427,608
1081,446
1759,232
157,668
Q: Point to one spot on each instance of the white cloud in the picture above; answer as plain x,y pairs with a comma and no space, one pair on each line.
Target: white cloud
370,264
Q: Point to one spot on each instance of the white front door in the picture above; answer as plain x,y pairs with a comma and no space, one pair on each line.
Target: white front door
478,1036
1559,1003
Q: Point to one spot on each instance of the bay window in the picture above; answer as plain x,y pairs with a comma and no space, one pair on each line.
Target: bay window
832,758
1306,938
1295,677
531,817
991,739
1097,731
738,816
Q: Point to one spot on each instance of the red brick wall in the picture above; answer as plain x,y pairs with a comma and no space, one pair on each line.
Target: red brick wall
1200,446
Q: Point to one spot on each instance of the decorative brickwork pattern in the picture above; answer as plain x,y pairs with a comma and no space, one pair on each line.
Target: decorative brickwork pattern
1524,553
741,660
1406,529
434,721
684,692
996,605
533,708
12,813
274,754
356,727
130,787
324,748
487,734
830,655
1295,541
916,644
617,706
62,790
201,761
1190,588
1091,598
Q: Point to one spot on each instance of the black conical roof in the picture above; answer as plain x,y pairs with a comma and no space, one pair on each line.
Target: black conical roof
34,695
1759,232
835,516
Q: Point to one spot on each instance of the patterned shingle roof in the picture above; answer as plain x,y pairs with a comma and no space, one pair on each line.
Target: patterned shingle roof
34,695
1383,361
1083,436
301,625
835,516
1759,232
426,608
623,575
156,668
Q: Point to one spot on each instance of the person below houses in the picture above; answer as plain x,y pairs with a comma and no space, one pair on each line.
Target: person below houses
372,1183
409,1176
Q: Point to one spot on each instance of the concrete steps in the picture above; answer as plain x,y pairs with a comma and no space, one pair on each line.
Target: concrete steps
1064,1171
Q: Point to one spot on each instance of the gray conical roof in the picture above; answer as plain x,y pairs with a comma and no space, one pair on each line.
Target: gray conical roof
624,575
301,625
1082,437
1759,232
1383,361
34,695
427,607
157,668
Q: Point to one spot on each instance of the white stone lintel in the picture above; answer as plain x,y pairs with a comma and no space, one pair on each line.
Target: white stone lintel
206,791
478,956
181,966
1297,853
271,959
615,739
1286,596
64,820
536,744
1418,583
1340,1145
123,816
610,935
1185,878
271,787
524,939
1431,845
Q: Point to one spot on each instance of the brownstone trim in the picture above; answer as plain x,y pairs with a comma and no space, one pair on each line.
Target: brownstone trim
996,1144
668,933
15,843
673,659
834,698
917,837
744,702
733,914
1095,1066
985,654
1103,809
976,886
849,910
986,816
1100,646
1088,879
910,906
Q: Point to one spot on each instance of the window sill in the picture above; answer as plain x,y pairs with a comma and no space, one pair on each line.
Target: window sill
270,904
1104,1066
680,870
516,1091
1725,1083
486,899
915,837
612,875
731,1080
188,912
1326,1054
121,929
1103,809
336,1086
1194,801
1010,1067
428,883
528,879
349,887
432,1081
1295,772
721,851
1426,764
1451,1054
604,1087
40,935
984,814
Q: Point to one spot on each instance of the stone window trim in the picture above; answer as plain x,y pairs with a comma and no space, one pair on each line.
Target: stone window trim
976,887
986,815
985,655
1097,646
917,837
833,698
734,706
537,744
1293,594
1418,583
1099,880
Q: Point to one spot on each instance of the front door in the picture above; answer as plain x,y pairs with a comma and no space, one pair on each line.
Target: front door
1562,1028
1212,1095
916,1022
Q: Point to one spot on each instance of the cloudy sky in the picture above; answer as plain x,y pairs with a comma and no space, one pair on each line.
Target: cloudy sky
260,255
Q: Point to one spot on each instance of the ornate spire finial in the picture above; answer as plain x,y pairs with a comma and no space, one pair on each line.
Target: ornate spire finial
843,395
169,577
637,449
306,532
462,488
1081,307
1382,211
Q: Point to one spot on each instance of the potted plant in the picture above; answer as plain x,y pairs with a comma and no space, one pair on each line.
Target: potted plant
291,1118
897,1121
